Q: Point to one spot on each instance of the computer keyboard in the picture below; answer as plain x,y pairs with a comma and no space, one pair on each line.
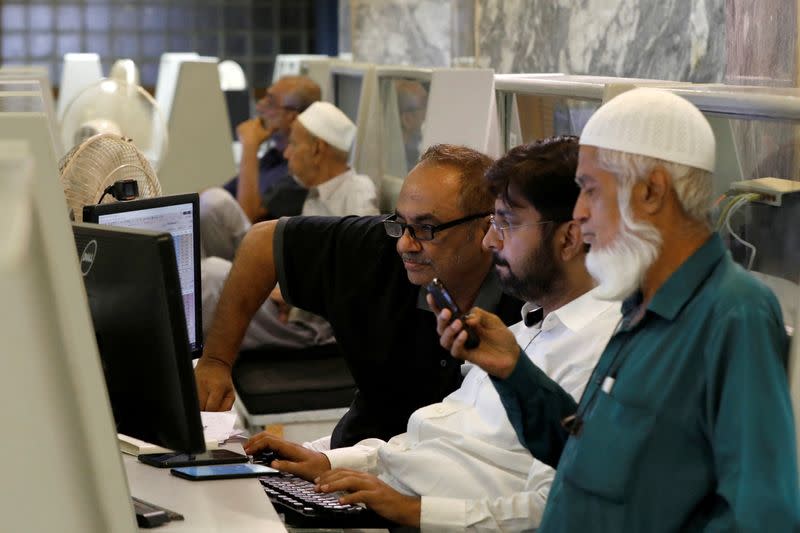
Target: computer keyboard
301,506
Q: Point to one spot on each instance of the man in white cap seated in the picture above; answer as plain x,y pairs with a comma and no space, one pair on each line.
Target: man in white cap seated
686,423
317,152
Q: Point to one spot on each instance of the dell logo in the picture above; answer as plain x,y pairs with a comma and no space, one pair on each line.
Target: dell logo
87,257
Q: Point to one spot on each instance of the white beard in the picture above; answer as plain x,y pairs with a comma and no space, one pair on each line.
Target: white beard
619,268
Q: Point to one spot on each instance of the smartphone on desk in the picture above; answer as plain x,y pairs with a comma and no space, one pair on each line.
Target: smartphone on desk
200,473
210,457
444,301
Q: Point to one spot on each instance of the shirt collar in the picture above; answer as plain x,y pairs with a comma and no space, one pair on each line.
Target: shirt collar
274,156
325,190
679,288
574,315
488,296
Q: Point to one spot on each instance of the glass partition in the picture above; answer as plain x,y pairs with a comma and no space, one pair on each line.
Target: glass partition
405,104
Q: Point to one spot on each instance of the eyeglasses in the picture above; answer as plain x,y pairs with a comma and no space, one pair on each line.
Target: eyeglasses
502,228
422,232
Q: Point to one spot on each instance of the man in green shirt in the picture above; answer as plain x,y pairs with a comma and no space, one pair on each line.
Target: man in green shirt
686,423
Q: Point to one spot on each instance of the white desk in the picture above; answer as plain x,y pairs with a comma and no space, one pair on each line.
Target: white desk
230,505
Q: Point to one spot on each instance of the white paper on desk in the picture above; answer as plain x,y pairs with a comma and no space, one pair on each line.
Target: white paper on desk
219,426
134,446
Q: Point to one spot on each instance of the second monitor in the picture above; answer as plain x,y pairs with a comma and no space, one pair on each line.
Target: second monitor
179,216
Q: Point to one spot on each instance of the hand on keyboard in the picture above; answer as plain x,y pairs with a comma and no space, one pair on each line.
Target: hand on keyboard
361,487
290,457
302,506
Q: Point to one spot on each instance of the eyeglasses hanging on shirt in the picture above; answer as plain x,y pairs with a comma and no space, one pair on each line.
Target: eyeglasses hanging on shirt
574,423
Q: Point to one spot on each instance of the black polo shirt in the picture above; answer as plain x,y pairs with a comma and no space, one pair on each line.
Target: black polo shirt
348,271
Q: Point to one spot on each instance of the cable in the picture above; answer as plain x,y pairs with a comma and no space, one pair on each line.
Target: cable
105,192
726,208
734,206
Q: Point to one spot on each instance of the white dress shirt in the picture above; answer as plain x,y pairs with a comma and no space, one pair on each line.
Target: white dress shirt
462,454
346,194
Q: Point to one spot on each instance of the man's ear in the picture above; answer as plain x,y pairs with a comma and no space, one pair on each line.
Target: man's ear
651,194
569,240
318,147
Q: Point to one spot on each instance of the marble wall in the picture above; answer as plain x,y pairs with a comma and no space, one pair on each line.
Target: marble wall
740,41
666,39
411,32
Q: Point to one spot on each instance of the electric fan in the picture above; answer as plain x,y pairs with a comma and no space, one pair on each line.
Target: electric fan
116,106
95,170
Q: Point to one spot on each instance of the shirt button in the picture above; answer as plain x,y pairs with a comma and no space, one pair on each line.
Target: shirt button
443,363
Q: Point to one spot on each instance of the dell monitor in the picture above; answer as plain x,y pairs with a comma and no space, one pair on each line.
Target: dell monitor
134,292
179,216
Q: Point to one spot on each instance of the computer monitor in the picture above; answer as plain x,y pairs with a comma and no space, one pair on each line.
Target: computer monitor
239,105
347,93
134,292
178,215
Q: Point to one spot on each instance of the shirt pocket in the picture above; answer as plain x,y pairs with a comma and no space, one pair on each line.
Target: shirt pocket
603,458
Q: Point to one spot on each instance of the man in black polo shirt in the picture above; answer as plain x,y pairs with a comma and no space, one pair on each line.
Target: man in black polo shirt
348,271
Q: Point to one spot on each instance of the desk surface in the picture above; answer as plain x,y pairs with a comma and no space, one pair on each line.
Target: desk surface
230,505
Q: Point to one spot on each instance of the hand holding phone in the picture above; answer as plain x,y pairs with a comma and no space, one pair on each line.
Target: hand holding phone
444,300
200,473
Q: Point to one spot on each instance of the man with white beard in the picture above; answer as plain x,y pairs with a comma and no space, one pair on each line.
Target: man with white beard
686,422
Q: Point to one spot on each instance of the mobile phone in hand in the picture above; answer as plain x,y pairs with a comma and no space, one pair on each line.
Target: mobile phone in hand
444,300
200,473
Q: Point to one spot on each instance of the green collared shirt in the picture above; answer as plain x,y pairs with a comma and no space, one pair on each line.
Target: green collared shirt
696,432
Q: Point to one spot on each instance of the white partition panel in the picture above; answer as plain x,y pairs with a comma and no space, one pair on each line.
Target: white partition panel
199,153
461,110
167,81
291,64
79,71
39,74
319,70
61,466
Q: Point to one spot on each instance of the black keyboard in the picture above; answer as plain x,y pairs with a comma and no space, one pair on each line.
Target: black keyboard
295,499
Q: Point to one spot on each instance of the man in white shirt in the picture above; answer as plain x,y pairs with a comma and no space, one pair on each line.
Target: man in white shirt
460,465
317,152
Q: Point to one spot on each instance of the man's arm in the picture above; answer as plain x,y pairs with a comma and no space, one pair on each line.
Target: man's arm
252,277
536,405
515,512
750,415
251,134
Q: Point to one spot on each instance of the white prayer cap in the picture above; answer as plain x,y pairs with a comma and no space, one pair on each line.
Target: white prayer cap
654,123
325,121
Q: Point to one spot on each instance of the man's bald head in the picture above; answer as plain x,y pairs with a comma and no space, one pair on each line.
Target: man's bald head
300,91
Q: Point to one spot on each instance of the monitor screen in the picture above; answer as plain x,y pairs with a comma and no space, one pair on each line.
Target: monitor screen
347,93
239,108
131,281
178,215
